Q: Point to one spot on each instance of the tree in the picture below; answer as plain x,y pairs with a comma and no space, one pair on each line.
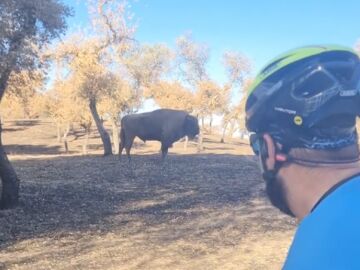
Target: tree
22,87
242,104
92,81
65,107
211,99
146,66
121,99
91,60
54,109
229,118
235,115
172,95
235,118
25,28
86,122
192,59
241,114
237,66
10,107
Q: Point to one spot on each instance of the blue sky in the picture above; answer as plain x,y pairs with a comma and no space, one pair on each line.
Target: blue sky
259,29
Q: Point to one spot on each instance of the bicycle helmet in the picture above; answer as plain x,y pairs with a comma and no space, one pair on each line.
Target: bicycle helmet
308,97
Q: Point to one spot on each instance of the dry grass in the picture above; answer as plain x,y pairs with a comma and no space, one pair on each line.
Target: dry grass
197,211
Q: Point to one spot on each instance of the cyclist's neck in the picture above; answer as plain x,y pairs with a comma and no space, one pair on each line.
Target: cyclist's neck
305,186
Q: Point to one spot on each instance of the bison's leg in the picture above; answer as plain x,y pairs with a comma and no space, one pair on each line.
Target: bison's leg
122,141
164,151
128,144
121,148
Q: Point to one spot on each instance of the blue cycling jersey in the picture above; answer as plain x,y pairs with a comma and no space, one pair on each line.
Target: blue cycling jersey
329,237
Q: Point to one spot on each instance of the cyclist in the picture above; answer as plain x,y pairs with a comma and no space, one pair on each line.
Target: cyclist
302,110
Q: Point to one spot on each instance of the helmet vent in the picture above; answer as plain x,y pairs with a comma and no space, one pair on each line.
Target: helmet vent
312,84
273,65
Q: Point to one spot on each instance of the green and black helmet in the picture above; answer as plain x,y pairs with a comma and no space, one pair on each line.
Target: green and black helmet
308,97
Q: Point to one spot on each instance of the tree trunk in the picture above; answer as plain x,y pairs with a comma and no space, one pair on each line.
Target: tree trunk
9,180
25,114
66,133
105,138
202,122
200,142
232,129
3,82
210,124
86,141
223,134
58,132
26,110
115,135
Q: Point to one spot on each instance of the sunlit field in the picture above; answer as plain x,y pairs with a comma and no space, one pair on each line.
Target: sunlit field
195,211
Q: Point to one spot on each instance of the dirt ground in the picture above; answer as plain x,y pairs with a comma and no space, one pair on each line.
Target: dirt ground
196,211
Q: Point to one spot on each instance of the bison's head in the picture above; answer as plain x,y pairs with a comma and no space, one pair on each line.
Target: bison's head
191,126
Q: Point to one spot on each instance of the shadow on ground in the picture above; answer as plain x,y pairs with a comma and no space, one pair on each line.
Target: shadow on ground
94,193
29,149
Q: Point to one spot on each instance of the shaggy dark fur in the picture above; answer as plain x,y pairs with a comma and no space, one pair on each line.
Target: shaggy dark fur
164,125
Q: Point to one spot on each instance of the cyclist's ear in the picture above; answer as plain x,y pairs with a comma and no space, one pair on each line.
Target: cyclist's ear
268,151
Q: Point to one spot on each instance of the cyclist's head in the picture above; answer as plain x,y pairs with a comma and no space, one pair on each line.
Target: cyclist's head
306,99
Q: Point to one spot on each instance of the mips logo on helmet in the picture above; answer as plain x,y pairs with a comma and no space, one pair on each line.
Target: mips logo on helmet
298,120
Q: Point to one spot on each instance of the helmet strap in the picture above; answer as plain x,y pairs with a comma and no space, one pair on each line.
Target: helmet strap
322,163
269,175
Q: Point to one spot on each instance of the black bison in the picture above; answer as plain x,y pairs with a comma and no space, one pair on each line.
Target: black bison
164,125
